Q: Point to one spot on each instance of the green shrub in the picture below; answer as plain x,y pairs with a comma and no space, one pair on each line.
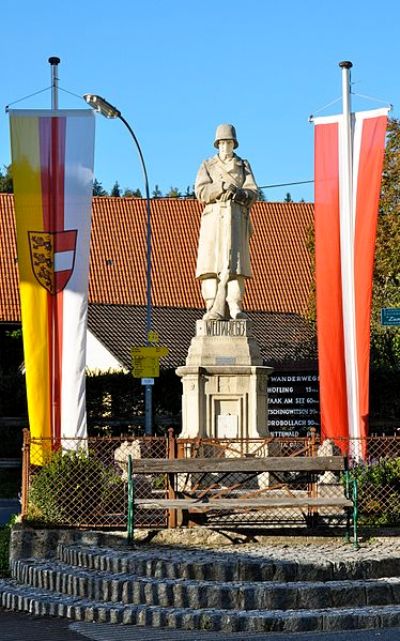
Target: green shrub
74,488
5,535
379,492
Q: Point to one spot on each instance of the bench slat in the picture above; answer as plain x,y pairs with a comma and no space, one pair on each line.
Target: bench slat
223,504
318,464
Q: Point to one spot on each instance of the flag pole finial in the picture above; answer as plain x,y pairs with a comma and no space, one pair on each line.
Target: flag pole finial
345,64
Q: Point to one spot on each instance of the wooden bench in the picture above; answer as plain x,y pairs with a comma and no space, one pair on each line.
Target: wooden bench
199,497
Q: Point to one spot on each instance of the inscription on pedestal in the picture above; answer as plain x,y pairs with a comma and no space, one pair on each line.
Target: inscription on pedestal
232,328
225,360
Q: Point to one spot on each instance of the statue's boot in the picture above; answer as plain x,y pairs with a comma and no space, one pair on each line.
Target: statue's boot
236,313
213,315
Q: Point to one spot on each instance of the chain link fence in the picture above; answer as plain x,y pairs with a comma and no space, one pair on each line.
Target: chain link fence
84,483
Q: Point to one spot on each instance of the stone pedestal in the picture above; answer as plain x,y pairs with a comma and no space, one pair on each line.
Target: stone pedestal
224,383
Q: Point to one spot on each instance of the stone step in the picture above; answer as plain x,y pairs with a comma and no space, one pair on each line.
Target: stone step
206,565
43,603
188,593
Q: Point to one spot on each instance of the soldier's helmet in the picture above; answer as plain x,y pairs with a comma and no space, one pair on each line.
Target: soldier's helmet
225,132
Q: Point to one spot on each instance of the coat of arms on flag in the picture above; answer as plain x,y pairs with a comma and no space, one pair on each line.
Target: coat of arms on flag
53,258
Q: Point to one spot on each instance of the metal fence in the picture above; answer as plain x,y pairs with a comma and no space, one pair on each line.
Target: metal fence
84,483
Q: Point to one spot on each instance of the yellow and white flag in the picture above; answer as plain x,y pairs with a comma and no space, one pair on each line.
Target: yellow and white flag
52,160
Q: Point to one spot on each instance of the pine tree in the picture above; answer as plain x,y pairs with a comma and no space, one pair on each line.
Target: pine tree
116,190
132,193
6,181
174,193
98,189
189,193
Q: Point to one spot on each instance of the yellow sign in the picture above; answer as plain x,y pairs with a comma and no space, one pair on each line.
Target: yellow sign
146,367
152,336
146,361
153,351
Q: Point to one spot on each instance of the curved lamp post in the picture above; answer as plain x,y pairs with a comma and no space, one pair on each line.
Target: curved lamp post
101,105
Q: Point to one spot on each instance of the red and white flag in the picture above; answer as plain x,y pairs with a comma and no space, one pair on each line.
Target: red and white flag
347,193
52,155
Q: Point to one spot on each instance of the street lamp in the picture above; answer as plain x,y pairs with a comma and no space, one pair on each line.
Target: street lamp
101,105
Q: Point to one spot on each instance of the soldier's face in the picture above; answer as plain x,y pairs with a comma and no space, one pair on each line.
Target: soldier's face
226,148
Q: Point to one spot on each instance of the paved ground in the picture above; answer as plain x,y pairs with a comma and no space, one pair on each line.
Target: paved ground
23,627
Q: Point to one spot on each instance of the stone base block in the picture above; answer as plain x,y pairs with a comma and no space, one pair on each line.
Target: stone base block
224,383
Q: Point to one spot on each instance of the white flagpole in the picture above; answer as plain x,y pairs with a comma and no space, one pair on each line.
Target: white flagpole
54,62
347,227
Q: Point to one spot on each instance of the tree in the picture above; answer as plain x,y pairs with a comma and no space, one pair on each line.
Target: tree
385,341
98,189
6,181
189,193
261,196
157,193
116,190
132,193
174,193
288,198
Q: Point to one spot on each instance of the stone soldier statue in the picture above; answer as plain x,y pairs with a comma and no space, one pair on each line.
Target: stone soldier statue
226,185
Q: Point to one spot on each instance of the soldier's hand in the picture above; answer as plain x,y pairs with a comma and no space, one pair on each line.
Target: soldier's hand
229,192
241,197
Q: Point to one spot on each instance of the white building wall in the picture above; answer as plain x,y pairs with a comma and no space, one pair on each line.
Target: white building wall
98,358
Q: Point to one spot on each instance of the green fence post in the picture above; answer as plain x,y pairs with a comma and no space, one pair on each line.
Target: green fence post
130,501
347,494
355,514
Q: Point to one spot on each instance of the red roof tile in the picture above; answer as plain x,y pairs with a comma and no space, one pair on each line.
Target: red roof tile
9,297
280,260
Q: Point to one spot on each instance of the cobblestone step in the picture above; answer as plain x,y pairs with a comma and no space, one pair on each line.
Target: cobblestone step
228,566
101,585
42,603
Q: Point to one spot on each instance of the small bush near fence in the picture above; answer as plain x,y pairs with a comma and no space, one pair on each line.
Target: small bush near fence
73,484
379,492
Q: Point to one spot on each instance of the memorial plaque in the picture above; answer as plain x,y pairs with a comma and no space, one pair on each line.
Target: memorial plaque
225,360
227,426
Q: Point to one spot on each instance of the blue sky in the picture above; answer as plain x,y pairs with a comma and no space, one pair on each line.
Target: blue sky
178,68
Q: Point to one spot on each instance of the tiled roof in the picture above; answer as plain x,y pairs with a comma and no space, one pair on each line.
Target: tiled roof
280,260
284,339
9,296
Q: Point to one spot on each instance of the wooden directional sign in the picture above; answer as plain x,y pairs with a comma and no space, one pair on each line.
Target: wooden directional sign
390,316
146,360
